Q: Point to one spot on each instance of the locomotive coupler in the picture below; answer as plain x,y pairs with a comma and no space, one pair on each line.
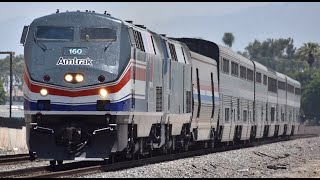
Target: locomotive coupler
73,141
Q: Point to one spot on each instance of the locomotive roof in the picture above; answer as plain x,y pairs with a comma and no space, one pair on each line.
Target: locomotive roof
202,58
89,13
201,46
152,32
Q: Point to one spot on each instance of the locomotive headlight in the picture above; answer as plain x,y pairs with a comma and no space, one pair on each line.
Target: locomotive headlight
79,78
68,77
44,92
103,93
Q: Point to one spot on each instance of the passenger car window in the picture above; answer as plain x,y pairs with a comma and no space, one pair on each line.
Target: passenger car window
249,74
226,65
258,77
234,69
243,72
226,110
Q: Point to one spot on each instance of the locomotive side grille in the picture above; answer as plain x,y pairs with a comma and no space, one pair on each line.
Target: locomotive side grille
188,101
158,99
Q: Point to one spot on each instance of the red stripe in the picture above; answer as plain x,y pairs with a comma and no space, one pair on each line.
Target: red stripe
206,88
140,74
89,92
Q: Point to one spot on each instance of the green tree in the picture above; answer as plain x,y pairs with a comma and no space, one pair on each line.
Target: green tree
2,94
244,54
310,102
292,66
290,49
228,39
276,54
17,69
282,56
309,52
304,77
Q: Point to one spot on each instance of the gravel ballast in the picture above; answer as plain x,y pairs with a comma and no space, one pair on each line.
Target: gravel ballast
22,165
295,158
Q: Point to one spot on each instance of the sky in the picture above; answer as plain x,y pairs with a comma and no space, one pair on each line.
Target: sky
209,20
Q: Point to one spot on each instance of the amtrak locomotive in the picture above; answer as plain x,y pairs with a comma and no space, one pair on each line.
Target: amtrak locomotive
97,87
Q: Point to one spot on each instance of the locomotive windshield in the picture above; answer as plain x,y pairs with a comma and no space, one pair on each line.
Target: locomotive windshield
98,34
54,33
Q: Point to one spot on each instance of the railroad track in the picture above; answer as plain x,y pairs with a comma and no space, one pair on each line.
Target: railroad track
83,167
300,136
42,170
14,158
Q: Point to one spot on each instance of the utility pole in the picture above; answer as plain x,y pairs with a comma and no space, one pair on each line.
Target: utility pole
11,53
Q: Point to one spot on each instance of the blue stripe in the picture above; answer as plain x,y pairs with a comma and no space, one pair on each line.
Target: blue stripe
124,105
118,106
206,98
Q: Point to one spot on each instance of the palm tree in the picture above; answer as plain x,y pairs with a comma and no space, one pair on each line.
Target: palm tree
228,39
309,52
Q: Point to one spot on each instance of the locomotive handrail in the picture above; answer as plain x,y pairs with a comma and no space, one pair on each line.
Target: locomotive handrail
103,129
43,129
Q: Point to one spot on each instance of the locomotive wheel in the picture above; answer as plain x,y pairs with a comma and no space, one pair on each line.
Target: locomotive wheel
53,163
164,150
150,152
211,144
111,159
32,156
186,146
205,144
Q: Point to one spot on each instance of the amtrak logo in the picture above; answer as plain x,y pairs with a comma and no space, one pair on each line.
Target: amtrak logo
75,61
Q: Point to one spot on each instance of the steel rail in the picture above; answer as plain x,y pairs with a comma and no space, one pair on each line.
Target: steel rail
158,159
14,158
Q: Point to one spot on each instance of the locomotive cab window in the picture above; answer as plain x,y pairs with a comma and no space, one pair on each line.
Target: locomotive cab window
98,34
54,33
24,34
